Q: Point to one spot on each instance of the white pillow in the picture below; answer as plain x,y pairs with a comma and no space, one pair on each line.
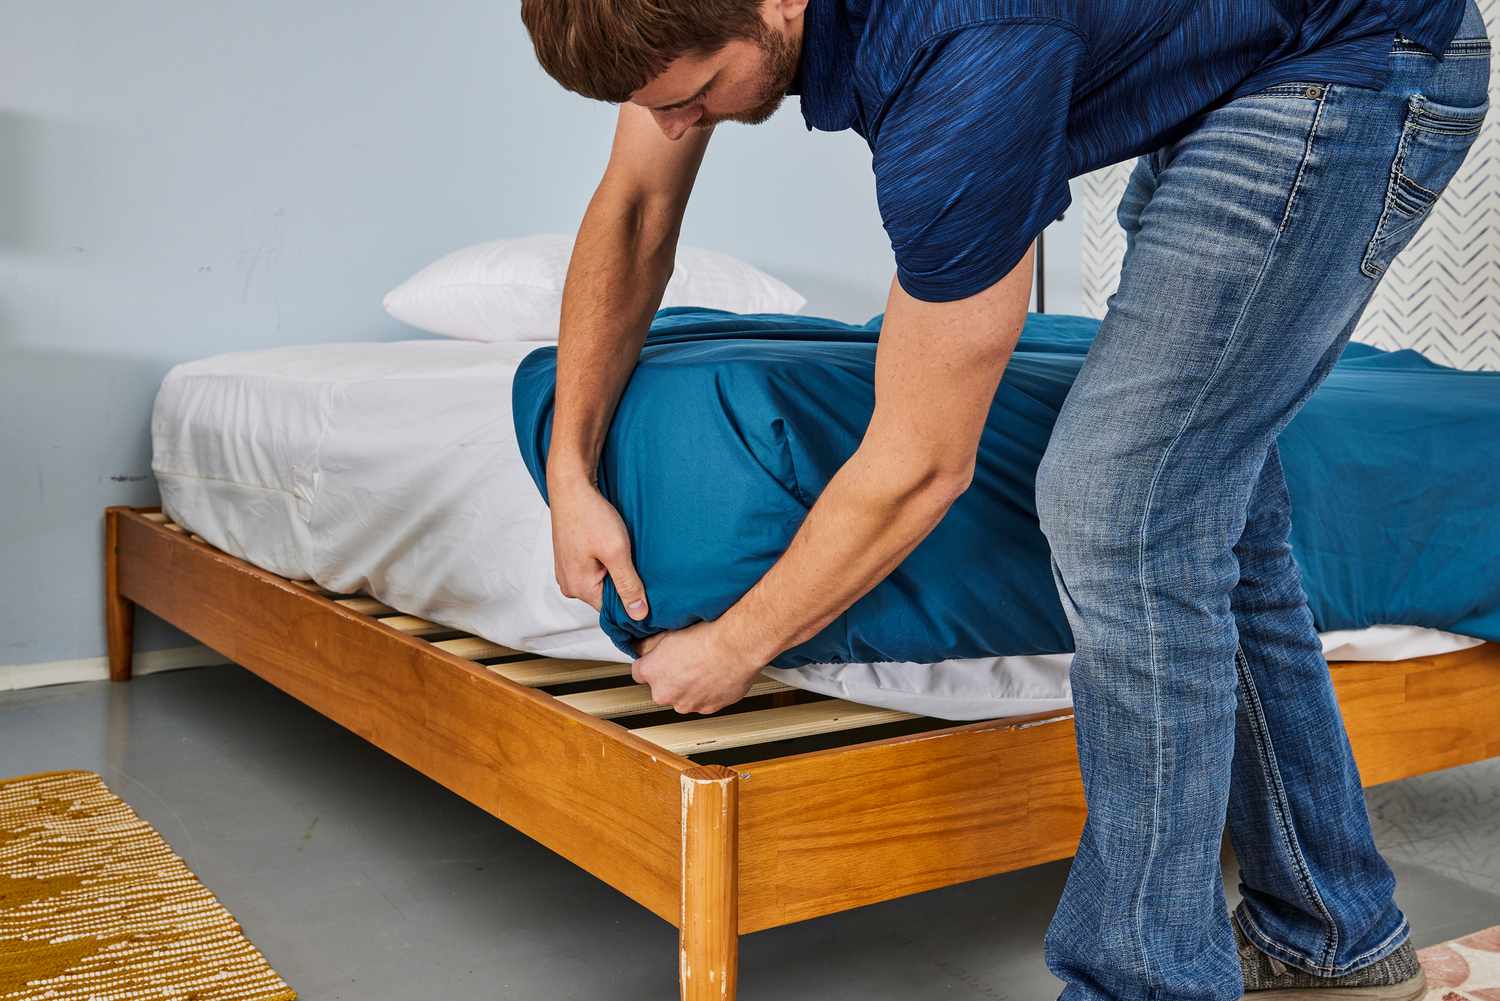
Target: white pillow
511,290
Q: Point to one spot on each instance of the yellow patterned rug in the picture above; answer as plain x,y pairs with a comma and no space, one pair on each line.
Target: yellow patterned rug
94,904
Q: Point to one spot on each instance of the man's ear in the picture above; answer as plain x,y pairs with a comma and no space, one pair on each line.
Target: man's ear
782,11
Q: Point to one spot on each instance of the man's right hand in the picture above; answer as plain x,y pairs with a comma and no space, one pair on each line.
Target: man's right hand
590,541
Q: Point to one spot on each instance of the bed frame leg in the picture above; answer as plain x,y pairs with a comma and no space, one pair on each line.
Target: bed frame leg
709,944
119,612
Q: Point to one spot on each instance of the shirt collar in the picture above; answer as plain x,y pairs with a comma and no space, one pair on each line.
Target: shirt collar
825,69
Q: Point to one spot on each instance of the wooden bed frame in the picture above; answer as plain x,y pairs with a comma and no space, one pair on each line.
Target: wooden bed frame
784,807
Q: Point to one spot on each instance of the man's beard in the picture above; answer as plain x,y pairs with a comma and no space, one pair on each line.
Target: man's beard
780,69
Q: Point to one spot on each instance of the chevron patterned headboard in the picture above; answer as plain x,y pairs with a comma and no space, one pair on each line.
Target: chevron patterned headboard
1442,294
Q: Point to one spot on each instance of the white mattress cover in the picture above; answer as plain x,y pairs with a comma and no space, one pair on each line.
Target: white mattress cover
392,469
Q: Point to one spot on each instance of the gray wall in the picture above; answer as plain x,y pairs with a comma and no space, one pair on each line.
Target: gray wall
184,179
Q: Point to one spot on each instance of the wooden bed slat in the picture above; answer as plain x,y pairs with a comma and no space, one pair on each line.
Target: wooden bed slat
313,586
155,516
547,671
365,605
476,648
413,626
634,700
765,725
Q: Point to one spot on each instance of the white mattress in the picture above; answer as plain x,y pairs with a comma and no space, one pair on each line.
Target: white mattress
392,469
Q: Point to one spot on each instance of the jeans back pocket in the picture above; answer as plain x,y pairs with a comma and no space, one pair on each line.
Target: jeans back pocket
1435,138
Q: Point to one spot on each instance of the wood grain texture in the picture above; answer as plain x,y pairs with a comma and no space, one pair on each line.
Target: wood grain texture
366,606
635,700
585,788
708,942
763,726
836,829
1418,715
541,671
313,586
411,625
475,648
119,612
832,830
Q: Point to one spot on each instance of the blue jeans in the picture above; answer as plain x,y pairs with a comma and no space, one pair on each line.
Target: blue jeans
1201,695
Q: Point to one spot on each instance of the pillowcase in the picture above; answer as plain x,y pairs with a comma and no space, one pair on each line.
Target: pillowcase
511,290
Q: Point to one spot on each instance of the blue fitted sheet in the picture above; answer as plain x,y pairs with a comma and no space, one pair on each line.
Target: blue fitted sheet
731,425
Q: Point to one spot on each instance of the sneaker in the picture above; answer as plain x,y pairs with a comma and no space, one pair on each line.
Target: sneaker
1397,977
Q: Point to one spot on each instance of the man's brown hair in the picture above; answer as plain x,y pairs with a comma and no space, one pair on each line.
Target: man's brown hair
609,49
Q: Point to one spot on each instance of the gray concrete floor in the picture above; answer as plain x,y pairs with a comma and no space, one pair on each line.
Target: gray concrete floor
360,878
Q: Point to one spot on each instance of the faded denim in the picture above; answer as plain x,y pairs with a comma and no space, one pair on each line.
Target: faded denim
1201,695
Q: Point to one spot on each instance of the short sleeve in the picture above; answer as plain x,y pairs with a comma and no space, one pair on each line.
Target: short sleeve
971,154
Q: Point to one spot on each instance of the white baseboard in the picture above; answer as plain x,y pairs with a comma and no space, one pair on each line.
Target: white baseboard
61,672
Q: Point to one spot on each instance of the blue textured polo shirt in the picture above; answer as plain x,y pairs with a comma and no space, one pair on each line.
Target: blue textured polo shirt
977,112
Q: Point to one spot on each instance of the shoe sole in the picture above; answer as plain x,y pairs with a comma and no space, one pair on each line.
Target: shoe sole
1411,989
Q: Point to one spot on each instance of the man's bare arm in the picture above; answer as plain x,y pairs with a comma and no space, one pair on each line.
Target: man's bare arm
622,260
937,368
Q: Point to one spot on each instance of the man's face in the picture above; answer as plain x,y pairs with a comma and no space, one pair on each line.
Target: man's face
745,81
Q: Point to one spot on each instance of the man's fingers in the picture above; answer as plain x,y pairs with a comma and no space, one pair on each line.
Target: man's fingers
628,584
586,586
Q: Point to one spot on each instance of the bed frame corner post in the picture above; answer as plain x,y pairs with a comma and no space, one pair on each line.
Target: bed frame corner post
119,611
708,944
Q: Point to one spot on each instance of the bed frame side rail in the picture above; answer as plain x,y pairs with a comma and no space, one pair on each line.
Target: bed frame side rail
586,788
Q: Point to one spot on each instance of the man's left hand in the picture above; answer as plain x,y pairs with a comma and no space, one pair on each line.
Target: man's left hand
693,670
